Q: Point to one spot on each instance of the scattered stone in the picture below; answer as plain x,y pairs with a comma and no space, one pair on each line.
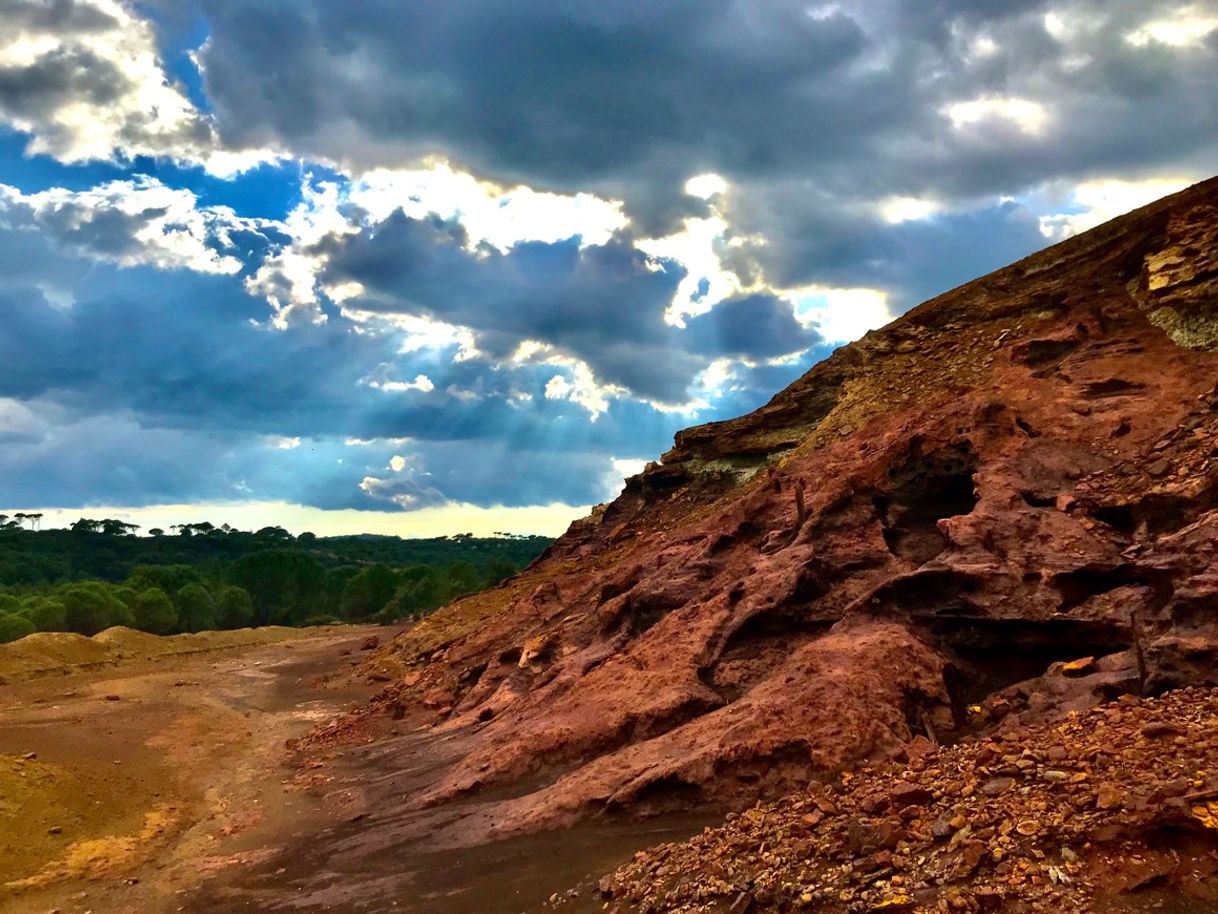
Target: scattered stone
742,904
1039,845
1160,729
1084,666
1108,798
997,787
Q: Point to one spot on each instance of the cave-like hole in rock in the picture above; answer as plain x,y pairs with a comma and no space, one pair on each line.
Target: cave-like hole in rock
1025,427
511,656
1158,514
1120,518
471,676
1110,387
755,649
991,654
1078,586
931,592
922,491
1036,500
666,794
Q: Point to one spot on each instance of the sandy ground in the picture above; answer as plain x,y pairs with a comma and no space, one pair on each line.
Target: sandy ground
124,789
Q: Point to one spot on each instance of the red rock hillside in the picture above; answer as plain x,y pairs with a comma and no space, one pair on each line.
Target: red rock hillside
997,509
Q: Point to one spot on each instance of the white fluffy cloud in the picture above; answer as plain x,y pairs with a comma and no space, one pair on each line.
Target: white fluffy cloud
140,222
578,384
85,81
1096,202
490,213
842,315
980,114
1186,27
289,278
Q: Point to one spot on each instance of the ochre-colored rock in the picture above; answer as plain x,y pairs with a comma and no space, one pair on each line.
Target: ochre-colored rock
916,541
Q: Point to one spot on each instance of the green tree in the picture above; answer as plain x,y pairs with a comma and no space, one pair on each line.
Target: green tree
196,608
462,576
45,614
9,604
499,569
170,578
285,586
335,583
234,608
92,606
155,612
13,627
125,593
112,527
368,592
421,591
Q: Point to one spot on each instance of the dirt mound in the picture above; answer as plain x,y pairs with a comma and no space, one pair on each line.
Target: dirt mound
1111,810
122,640
51,653
1014,476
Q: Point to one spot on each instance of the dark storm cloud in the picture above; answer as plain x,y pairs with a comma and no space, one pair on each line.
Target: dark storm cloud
602,304
153,386
539,475
634,97
751,327
836,245
544,91
60,15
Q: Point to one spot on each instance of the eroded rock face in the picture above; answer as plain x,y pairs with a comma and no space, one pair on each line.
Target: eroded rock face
907,544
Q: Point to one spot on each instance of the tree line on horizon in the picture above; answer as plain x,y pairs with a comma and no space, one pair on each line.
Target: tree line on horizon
98,574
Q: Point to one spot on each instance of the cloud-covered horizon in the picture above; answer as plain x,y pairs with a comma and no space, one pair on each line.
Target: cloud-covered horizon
396,257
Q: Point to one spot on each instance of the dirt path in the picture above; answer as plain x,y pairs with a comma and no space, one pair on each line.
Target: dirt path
123,790
166,786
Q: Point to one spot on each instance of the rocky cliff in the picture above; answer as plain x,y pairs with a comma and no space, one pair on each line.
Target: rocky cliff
999,508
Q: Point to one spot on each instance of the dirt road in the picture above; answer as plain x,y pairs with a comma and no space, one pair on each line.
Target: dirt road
167,787
123,790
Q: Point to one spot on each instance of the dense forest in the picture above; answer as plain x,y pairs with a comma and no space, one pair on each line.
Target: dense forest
197,577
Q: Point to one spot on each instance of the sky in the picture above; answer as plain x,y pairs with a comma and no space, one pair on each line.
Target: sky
426,268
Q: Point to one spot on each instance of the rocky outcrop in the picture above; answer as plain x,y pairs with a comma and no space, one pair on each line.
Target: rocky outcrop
999,508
